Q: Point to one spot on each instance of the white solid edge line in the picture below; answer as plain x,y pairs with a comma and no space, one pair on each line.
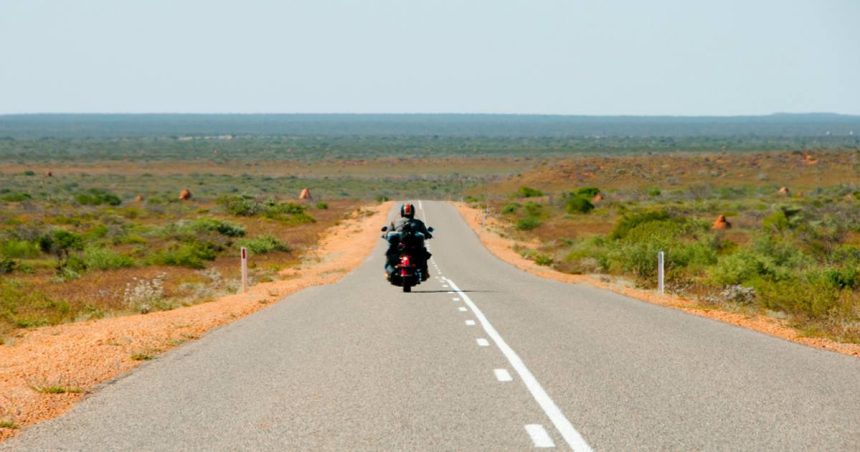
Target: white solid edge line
539,436
483,342
559,420
503,375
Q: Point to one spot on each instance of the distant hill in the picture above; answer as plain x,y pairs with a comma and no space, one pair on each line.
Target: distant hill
442,125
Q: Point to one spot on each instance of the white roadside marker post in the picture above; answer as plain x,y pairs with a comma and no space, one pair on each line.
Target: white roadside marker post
661,260
244,269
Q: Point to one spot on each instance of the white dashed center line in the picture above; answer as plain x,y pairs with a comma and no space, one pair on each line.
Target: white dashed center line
502,375
462,309
483,342
540,437
572,437
470,322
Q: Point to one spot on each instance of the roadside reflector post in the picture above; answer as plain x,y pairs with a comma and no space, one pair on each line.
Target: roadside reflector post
244,255
661,272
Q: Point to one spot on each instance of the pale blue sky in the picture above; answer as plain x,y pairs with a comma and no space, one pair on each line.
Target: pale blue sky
674,57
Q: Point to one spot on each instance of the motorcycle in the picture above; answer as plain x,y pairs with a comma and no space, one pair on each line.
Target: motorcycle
405,273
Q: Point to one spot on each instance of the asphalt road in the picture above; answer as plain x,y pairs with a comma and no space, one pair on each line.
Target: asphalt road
511,362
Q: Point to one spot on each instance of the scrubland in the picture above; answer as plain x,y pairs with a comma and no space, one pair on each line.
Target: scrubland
791,248
76,247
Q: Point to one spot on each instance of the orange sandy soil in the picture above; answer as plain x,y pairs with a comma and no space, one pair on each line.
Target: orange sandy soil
503,248
83,355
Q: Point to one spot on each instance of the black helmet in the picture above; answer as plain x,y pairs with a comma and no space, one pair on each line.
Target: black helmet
407,211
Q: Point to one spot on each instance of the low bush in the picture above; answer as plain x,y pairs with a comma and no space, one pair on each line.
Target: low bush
98,258
578,204
264,244
7,265
510,208
19,249
632,220
244,206
288,212
587,192
191,230
15,197
528,192
191,255
809,295
97,197
528,223
212,225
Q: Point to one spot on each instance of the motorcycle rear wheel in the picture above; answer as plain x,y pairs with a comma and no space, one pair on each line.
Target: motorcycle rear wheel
407,288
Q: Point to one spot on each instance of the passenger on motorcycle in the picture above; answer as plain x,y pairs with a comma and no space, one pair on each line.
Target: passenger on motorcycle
408,228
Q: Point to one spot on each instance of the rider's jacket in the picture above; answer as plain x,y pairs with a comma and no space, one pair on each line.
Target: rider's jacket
414,225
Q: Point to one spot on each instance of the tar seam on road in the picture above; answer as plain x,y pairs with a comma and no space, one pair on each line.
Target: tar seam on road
559,420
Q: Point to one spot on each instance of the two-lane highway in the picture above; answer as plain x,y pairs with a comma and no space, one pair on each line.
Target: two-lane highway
482,356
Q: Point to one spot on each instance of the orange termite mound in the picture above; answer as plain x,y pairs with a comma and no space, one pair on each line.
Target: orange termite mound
809,160
305,194
139,198
50,174
597,198
721,223
185,194
784,191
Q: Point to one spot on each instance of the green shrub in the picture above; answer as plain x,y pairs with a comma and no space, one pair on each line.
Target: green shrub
528,223
528,192
578,204
322,206
7,265
510,208
764,260
19,249
843,278
97,197
60,242
533,209
809,295
782,219
654,192
288,212
588,192
244,206
29,173
264,244
98,258
212,225
191,255
542,259
630,221
15,197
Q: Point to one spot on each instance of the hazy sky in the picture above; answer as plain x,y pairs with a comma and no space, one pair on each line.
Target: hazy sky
676,57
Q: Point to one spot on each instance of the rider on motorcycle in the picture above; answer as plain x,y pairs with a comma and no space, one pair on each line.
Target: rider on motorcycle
408,223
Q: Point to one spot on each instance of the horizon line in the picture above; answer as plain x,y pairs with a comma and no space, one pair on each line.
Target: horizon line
191,113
